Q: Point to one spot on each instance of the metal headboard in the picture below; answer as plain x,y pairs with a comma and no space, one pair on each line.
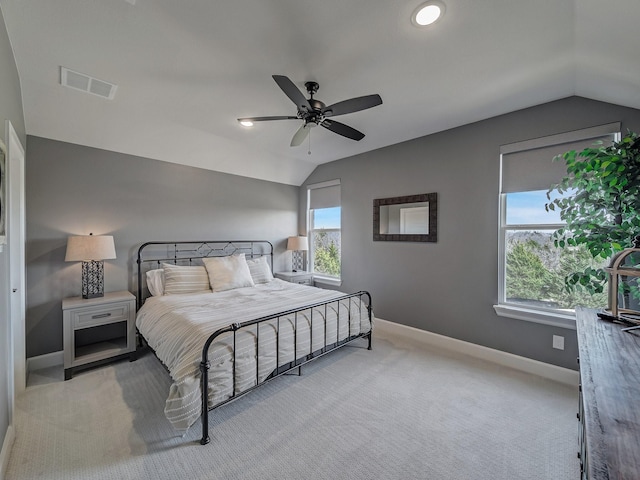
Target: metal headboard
153,254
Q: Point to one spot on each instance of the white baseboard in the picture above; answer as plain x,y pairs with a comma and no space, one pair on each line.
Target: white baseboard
546,370
6,451
52,359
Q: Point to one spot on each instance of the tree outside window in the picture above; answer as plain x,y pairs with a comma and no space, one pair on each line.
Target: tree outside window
535,268
325,238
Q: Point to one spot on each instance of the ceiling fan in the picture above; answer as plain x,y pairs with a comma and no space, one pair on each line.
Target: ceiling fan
314,112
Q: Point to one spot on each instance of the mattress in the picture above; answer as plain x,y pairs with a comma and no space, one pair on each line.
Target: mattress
177,326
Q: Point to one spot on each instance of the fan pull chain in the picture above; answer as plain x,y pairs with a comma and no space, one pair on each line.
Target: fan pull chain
309,152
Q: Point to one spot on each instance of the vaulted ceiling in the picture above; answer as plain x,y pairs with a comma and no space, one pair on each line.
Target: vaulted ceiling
186,70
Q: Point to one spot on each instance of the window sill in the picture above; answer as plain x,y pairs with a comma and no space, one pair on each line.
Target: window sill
555,319
336,282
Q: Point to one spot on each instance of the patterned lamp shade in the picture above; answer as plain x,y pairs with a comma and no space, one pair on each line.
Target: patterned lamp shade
91,251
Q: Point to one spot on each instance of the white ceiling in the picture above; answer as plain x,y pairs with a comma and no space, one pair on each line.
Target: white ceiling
187,69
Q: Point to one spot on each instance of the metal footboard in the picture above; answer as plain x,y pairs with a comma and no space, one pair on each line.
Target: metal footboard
298,360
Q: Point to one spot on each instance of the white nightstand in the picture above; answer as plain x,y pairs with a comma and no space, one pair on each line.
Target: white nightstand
303,278
98,329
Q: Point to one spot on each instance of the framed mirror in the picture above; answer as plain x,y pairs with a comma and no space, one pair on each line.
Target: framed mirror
412,218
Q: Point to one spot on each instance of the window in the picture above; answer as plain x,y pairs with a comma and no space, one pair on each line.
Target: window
534,268
324,217
532,271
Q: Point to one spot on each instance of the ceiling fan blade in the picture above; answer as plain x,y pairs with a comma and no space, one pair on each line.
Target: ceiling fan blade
265,119
352,105
342,129
293,92
300,135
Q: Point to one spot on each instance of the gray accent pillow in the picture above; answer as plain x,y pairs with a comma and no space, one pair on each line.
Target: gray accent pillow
184,279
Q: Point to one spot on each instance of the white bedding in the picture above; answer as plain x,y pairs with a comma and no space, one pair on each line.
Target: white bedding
176,327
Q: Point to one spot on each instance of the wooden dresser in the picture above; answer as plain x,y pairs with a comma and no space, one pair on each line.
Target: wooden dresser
609,409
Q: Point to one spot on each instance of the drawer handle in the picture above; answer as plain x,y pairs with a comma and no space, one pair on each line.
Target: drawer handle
102,315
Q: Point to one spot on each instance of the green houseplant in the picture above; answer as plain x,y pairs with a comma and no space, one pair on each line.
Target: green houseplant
600,203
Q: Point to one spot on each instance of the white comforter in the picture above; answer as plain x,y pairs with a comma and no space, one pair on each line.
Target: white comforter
176,327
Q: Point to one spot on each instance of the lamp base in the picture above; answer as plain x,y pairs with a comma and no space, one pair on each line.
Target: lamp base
297,260
93,295
93,279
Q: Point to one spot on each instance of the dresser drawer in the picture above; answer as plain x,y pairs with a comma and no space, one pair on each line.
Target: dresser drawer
98,315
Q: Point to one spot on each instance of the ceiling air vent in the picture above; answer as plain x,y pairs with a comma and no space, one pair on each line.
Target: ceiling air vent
86,83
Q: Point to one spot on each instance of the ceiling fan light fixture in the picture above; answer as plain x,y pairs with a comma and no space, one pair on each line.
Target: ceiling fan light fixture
428,13
313,112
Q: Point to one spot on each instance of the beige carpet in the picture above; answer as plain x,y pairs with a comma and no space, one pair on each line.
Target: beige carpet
401,411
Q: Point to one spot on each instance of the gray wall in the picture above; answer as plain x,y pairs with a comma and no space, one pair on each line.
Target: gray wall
10,109
449,287
75,190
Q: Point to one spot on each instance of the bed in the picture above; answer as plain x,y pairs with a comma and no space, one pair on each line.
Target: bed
214,315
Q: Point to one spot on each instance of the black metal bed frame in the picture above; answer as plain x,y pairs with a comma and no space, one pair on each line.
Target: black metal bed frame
192,252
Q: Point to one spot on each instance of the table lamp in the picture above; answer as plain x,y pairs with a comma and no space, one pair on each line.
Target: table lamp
298,245
91,250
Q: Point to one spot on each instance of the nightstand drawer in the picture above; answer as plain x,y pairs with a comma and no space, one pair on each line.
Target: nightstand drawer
93,316
301,278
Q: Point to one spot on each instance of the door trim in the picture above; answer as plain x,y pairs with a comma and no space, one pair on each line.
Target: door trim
16,237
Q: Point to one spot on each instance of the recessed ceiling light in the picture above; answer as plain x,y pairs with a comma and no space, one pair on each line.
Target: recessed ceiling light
246,123
427,13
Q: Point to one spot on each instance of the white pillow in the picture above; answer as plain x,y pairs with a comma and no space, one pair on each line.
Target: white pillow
227,273
260,271
184,279
155,282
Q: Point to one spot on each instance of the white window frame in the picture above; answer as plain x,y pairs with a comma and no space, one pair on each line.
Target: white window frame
505,309
320,278
557,318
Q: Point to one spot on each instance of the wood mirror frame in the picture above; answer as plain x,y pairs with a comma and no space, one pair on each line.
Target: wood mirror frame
430,236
